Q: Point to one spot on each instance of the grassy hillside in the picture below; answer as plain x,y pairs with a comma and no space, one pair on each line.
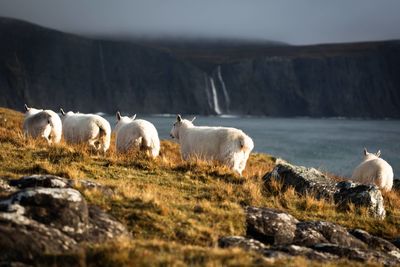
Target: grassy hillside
175,210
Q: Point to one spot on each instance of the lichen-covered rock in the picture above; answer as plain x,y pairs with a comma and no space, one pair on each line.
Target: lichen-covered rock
275,252
277,234
311,181
304,180
309,253
103,227
315,232
360,195
375,242
362,255
23,239
5,188
242,242
63,208
37,221
270,226
251,245
52,181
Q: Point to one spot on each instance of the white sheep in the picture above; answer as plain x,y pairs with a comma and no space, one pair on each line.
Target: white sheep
42,123
374,170
86,128
140,134
229,146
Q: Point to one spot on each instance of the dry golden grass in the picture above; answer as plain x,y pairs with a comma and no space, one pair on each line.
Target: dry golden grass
175,210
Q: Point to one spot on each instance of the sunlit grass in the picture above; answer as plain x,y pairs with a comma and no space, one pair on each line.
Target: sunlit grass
175,210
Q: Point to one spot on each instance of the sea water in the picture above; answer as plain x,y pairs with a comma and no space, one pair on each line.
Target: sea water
332,145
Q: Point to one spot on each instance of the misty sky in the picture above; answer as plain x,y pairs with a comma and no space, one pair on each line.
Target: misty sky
295,22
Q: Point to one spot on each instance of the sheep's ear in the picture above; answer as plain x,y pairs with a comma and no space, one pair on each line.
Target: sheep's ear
118,115
365,151
179,118
26,107
378,154
133,117
193,119
62,112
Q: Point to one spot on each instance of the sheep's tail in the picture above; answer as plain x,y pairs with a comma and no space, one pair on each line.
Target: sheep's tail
104,135
150,145
246,143
55,134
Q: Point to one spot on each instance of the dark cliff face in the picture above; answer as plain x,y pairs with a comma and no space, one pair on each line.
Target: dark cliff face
46,68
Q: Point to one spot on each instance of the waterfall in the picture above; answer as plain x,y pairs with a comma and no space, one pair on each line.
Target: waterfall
207,92
217,109
226,96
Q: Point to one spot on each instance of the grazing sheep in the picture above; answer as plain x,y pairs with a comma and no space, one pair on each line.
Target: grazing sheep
139,134
86,128
42,123
374,170
229,146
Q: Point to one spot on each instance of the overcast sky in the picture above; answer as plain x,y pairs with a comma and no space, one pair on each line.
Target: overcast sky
295,21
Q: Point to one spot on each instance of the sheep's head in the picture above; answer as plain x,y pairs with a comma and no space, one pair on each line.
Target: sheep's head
368,155
122,120
178,124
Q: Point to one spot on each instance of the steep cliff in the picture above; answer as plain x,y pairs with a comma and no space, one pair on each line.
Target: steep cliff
47,68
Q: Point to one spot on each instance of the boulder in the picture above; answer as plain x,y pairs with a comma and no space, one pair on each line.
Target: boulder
315,232
270,226
275,252
64,209
360,195
242,242
375,242
38,221
52,181
357,254
311,181
277,234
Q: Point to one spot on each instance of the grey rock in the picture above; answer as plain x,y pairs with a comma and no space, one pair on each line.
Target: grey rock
309,253
360,195
281,235
357,254
242,242
23,239
315,232
63,208
37,221
5,188
311,181
304,180
103,227
375,242
52,181
249,244
270,226
275,252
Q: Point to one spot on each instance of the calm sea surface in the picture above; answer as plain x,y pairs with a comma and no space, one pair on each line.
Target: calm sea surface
333,145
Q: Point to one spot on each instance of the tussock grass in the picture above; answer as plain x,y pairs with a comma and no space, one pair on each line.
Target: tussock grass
175,210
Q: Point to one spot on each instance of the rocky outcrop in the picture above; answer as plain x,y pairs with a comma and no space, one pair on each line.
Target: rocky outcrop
38,65
311,181
315,240
46,217
52,181
279,230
